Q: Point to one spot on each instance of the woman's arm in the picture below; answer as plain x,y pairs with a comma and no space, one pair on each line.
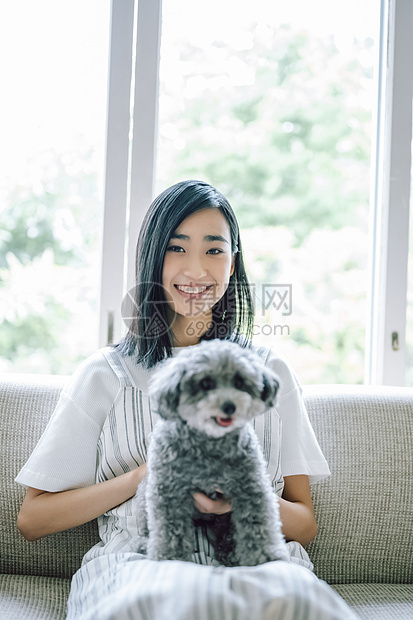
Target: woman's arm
44,513
296,510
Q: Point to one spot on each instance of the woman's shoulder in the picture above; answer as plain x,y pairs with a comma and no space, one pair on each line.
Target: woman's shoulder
94,364
93,376
100,380
132,373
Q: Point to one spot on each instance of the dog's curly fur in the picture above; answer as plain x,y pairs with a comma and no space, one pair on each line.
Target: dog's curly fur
206,396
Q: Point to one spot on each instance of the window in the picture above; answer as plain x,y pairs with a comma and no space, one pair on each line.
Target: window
279,109
274,106
54,58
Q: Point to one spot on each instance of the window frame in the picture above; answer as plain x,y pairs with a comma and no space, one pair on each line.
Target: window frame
132,117
130,165
385,351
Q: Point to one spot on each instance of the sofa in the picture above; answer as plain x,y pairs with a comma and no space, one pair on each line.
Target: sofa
364,545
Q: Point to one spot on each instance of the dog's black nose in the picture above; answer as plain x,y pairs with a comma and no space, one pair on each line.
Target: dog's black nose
228,407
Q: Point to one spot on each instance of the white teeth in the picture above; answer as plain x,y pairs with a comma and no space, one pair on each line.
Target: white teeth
192,289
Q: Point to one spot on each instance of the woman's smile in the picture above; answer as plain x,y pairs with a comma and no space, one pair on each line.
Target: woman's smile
192,292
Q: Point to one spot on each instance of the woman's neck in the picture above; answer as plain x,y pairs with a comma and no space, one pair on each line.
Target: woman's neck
188,330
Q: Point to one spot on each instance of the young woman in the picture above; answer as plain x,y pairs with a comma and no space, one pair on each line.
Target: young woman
191,285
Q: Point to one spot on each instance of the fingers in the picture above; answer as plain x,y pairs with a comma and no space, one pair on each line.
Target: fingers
209,506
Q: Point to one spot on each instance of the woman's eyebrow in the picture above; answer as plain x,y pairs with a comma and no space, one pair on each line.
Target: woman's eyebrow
208,238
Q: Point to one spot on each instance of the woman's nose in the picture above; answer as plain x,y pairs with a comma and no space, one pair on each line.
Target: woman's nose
194,269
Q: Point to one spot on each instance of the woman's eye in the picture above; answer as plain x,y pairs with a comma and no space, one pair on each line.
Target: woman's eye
174,248
215,251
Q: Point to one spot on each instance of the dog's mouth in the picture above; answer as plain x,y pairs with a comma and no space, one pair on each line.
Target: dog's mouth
224,421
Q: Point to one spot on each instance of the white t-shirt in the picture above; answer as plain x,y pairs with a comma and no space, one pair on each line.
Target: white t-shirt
66,455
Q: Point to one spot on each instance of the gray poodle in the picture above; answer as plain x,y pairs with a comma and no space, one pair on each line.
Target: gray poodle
206,396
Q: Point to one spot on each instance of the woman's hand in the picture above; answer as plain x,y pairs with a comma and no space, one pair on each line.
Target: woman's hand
206,505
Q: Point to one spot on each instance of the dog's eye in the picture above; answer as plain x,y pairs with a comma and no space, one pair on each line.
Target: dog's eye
238,382
207,383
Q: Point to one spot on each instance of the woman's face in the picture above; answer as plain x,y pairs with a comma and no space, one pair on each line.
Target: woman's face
198,264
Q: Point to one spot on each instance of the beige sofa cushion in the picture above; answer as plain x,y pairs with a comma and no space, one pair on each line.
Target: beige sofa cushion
26,404
378,601
33,598
365,508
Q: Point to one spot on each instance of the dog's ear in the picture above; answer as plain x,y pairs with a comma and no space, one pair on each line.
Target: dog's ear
168,401
165,390
270,388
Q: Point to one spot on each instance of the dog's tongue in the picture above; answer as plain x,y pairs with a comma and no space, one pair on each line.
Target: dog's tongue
224,421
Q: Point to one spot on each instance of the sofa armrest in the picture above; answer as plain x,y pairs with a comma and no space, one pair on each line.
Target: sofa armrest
26,404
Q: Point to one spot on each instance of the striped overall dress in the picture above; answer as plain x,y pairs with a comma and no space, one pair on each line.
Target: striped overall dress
116,582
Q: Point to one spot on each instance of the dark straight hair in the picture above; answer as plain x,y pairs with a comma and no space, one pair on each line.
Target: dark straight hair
149,335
